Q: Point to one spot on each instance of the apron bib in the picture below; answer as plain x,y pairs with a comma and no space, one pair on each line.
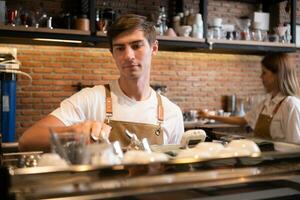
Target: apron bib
263,124
154,133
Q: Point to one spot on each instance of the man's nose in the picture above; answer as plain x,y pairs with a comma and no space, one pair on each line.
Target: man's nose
129,53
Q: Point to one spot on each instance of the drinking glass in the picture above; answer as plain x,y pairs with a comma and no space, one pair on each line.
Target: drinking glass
70,146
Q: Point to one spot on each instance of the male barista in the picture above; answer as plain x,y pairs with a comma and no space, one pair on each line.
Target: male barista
127,103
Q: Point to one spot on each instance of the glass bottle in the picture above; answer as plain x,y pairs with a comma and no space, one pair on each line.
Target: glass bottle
163,20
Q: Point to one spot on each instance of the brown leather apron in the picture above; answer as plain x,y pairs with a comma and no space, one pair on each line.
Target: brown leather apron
154,133
263,124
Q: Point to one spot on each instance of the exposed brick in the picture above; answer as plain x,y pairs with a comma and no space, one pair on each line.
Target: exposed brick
194,80
42,70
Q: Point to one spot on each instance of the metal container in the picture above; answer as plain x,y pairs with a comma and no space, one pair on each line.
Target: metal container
230,103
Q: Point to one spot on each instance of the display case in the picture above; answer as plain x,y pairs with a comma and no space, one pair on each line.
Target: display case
273,174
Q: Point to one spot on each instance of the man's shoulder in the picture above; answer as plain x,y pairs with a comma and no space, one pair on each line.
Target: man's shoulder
93,89
88,93
169,105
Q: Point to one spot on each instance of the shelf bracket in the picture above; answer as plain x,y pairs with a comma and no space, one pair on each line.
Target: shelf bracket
210,44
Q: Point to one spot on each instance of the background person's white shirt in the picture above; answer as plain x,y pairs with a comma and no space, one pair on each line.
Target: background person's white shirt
89,104
285,125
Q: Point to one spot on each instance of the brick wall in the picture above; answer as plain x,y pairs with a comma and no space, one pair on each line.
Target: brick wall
194,80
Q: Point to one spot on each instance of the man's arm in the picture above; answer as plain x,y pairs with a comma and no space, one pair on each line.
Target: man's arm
37,137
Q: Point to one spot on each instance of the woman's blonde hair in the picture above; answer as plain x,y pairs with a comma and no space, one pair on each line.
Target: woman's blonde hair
281,64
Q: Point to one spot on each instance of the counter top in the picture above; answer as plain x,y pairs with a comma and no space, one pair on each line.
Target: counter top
199,124
8,147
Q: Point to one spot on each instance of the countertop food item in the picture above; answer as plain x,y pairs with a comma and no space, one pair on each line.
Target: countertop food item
229,152
51,159
193,154
241,147
212,148
203,150
143,157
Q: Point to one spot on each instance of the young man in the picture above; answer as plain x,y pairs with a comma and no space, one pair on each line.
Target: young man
127,103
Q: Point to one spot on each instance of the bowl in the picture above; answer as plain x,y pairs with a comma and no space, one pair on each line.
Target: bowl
143,157
184,31
212,148
244,144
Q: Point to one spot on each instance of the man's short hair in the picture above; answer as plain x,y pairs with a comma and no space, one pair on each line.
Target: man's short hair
130,22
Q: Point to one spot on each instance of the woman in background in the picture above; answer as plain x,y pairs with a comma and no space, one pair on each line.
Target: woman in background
278,115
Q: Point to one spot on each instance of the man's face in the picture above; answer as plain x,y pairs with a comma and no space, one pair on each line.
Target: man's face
133,54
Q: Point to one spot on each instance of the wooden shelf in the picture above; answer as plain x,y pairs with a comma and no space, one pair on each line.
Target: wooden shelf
249,47
173,43
44,30
180,39
259,1
250,42
28,35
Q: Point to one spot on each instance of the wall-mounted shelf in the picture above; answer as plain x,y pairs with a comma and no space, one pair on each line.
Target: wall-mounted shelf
44,30
251,47
46,36
29,35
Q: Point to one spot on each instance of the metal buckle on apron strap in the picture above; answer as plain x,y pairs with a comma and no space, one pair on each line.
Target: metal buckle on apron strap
158,131
108,117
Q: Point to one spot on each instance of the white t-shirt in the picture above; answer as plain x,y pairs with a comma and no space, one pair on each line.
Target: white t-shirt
89,104
285,125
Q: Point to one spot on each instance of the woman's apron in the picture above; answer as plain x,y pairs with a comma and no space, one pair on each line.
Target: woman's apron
154,133
263,124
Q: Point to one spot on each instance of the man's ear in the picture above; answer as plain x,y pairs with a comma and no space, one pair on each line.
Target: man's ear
111,51
154,47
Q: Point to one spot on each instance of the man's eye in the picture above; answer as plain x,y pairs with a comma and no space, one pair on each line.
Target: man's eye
119,48
136,46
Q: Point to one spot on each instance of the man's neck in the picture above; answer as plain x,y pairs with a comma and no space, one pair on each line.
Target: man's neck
135,89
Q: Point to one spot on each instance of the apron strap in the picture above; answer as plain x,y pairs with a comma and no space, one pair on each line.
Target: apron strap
275,109
160,109
108,104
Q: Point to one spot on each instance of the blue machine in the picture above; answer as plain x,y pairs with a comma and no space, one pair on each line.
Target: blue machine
8,106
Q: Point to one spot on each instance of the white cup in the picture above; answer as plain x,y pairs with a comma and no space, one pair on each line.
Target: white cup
217,21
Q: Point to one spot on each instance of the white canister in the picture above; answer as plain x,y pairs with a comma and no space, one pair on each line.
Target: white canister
198,27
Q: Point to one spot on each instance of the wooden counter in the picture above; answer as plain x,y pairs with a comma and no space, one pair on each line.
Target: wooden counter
198,124
221,127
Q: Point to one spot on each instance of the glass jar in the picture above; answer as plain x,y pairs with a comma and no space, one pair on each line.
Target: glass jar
257,35
214,32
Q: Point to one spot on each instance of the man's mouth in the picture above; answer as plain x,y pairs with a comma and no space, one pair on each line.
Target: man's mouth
131,66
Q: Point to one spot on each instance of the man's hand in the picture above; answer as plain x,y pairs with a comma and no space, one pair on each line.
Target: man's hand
95,130
36,138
